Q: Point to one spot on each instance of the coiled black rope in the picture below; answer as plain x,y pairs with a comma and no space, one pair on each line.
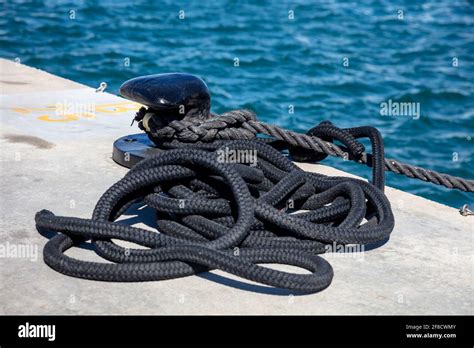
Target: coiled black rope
214,212
243,124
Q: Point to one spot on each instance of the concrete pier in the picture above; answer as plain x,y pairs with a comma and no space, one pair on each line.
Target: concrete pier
56,155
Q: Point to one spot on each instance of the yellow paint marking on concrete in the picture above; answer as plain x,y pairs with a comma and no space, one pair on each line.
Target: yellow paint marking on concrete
58,116
21,110
117,107
64,118
25,110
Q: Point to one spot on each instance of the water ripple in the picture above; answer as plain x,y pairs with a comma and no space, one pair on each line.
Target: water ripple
282,62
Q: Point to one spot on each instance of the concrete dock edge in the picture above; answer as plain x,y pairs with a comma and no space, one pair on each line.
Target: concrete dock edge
62,162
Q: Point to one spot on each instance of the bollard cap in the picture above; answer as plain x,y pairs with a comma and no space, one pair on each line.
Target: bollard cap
176,93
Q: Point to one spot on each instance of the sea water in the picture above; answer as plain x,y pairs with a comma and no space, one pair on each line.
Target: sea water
405,67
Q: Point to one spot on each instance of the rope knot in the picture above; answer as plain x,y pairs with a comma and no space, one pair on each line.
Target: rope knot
228,126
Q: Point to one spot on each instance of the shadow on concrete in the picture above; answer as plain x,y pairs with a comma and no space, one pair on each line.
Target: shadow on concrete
237,284
50,234
140,213
137,213
376,245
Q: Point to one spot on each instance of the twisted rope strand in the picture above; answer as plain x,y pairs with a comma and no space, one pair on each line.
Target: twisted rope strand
242,124
206,208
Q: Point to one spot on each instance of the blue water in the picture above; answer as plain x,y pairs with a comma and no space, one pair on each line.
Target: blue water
282,62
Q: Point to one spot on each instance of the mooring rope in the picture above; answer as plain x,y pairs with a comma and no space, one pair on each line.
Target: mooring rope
215,211
242,124
235,214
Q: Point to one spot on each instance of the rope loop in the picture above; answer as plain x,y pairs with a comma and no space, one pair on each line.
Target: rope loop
230,205
314,146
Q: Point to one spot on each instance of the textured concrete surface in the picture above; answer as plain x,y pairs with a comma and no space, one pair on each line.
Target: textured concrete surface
15,78
62,162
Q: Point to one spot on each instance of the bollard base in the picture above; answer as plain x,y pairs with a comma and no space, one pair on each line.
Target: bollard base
131,149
